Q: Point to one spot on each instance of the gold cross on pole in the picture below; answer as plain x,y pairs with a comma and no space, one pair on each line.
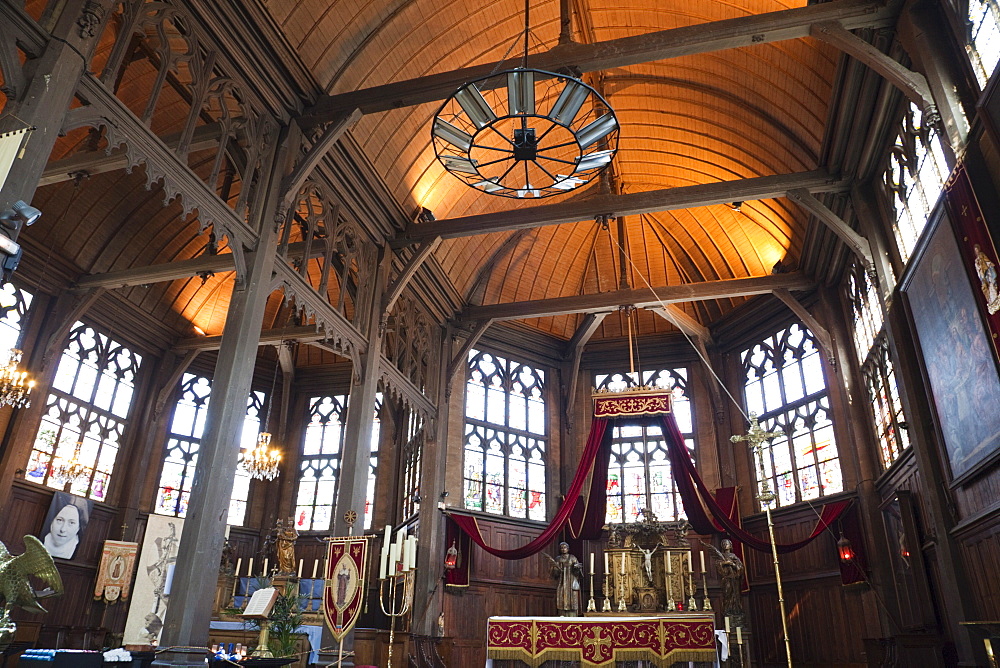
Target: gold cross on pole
755,437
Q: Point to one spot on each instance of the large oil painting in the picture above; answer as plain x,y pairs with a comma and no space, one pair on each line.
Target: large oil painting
959,361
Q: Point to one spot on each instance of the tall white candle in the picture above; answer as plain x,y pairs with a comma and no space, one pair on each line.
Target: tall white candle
264,574
739,635
702,562
413,552
393,557
384,564
301,561
388,535
250,567
591,562
606,569
239,562
315,567
405,554
690,563
727,623
623,564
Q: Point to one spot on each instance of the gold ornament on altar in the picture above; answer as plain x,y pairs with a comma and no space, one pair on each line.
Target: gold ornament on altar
15,386
15,585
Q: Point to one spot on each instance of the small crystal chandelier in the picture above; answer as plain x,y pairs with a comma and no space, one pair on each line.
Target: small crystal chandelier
15,386
262,462
69,471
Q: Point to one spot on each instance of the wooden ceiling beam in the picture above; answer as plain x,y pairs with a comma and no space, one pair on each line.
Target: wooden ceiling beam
98,162
667,199
639,297
268,337
172,271
654,46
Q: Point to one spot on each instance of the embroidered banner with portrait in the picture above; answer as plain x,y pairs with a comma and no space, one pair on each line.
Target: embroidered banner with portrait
114,575
344,593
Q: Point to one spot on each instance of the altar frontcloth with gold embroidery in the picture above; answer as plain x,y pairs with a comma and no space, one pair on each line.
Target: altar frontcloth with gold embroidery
600,641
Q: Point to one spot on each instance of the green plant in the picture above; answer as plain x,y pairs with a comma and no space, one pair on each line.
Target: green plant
286,616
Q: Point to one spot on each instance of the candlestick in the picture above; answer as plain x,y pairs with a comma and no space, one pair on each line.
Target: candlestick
706,604
299,575
671,605
315,567
591,604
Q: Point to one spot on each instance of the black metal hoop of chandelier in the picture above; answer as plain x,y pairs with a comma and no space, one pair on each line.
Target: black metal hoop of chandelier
492,133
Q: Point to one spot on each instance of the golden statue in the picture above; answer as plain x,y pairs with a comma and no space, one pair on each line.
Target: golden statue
284,546
15,587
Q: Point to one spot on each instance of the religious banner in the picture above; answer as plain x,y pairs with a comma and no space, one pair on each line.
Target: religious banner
114,575
631,403
343,595
978,252
600,642
153,580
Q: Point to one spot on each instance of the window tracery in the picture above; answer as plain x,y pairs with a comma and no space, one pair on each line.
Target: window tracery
785,386
639,474
505,437
87,410
983,42
319,465
413,452
14,305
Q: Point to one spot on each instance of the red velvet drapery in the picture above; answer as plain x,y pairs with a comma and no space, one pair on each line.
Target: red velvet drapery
704,512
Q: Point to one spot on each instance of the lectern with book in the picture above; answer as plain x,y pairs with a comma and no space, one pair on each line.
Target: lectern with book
259,608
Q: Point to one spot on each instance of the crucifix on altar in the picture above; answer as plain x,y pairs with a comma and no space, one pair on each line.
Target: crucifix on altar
755,438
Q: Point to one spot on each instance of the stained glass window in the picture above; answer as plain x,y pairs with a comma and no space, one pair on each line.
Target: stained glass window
184,440
85,413
913,179
872,349
14,305
983,45
786,389
505,437
413,452
320,463
639,475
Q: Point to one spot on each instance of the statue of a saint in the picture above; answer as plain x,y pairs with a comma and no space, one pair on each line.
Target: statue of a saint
730,570
285,537
567,570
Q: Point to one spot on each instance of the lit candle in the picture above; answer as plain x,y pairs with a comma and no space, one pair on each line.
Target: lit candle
315,567
264,574
606,569
739,635
670,563
250,568
702,555
727,623
591,562
239,562
623,564
301,561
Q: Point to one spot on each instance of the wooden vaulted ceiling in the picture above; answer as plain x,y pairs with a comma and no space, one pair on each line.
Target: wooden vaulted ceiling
720,116
712,117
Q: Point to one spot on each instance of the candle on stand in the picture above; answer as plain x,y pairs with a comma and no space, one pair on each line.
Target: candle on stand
239,562
591,562
250,568
623,564
703,563
670,563
383,569
690,563
315,567
393,557
264,574
388,535
301,561
606,569
727,623
739,635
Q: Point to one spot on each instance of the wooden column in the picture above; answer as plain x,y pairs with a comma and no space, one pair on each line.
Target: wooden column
195,576
51,82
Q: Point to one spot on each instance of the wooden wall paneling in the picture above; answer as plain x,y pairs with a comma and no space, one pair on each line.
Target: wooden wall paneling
980,544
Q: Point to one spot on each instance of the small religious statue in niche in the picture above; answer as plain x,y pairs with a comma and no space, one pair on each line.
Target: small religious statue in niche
284,541
226,566
567,570
987,272
730,570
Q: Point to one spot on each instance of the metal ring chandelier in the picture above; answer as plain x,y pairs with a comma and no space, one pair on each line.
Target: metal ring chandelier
525,133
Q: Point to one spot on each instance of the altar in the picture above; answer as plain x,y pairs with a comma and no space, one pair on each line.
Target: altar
601,642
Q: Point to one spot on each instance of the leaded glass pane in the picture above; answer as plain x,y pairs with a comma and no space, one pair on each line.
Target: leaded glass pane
319,463
14,305
798,410
505,439
984,42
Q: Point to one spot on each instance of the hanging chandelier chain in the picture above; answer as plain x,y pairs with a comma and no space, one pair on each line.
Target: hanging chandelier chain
527,24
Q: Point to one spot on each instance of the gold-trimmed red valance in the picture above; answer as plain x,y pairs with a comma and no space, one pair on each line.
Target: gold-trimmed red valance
600,641
635,403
